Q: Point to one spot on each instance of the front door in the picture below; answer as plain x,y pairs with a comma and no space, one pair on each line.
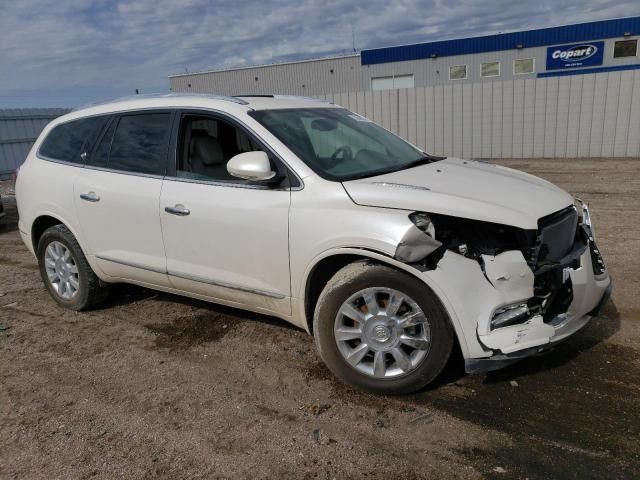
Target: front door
224,237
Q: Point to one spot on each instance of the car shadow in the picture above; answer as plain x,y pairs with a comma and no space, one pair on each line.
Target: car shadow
122,294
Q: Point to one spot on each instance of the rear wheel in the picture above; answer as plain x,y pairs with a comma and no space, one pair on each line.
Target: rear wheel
382,330
66,272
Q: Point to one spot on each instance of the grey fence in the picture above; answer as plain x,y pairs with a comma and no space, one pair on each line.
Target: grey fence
593,115
19,128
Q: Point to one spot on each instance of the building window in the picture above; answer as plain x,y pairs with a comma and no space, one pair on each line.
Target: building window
625,48
523,65
458,72
490,69
390,83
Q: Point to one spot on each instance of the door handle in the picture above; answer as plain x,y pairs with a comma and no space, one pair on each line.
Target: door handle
179,210
90,197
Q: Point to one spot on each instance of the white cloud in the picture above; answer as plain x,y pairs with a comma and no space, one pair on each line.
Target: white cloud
70,51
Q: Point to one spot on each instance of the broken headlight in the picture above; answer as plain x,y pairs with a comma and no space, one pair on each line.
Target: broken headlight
474,238
510,315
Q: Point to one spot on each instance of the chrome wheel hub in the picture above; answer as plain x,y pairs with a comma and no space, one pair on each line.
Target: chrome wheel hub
62,270
382,332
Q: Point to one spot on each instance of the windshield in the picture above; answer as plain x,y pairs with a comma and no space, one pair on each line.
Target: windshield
338,144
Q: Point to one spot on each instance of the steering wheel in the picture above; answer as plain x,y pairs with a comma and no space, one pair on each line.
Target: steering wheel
347,154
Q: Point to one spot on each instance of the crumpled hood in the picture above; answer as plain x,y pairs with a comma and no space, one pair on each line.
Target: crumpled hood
464,188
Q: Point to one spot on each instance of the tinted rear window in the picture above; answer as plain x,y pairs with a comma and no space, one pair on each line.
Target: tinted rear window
135,143
69,140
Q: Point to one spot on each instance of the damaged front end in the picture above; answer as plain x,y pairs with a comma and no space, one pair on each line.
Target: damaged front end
515,292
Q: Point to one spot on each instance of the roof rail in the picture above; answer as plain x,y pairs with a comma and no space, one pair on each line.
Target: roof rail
283,97
164,95
301,97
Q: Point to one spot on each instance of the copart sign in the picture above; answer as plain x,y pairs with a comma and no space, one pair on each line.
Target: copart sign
577,55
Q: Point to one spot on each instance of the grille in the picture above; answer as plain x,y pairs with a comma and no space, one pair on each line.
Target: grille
556,235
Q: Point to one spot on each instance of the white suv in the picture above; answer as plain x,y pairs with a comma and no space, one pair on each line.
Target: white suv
301,209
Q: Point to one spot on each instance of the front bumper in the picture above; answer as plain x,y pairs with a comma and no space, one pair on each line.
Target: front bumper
588,291
472,295
564,331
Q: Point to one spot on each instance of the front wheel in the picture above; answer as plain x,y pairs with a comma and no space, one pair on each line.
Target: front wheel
66,272
382,330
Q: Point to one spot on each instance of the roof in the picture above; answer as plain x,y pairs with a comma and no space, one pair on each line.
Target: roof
263,65
504,41
196,100
272,102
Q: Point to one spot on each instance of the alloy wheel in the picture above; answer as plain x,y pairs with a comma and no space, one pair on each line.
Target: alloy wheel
382,332
62,270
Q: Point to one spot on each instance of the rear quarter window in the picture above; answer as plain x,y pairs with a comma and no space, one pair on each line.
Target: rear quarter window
68,141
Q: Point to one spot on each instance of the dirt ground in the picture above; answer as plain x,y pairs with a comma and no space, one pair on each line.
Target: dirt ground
157,386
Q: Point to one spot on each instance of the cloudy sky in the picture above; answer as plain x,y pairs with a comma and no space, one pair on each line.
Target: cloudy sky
70,52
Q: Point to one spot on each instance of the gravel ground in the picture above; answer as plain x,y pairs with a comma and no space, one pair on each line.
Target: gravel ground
154,385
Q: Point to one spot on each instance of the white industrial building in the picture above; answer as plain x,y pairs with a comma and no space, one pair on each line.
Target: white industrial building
560,92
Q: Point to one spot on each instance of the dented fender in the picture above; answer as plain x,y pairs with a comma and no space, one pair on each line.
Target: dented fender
415,245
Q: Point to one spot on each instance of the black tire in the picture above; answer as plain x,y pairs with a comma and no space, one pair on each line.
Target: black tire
361,275
90,291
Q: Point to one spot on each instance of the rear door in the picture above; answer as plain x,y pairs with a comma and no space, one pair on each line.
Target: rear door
117,197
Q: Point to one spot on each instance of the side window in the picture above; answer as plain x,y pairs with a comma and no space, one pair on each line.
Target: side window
135,143
68,141
100,157
206,145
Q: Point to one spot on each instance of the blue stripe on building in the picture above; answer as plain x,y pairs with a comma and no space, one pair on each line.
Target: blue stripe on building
504,41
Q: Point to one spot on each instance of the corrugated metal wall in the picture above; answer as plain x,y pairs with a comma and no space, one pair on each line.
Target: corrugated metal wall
594,115
312,77
19,128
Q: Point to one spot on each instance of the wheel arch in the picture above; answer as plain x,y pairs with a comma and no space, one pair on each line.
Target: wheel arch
328,263
45,220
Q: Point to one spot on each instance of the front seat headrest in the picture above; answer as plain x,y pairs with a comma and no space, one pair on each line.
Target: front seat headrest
206,150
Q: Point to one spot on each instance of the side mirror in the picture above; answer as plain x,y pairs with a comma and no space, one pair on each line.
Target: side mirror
254,166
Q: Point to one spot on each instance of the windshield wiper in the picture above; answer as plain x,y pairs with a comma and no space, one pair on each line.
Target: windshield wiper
425,160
